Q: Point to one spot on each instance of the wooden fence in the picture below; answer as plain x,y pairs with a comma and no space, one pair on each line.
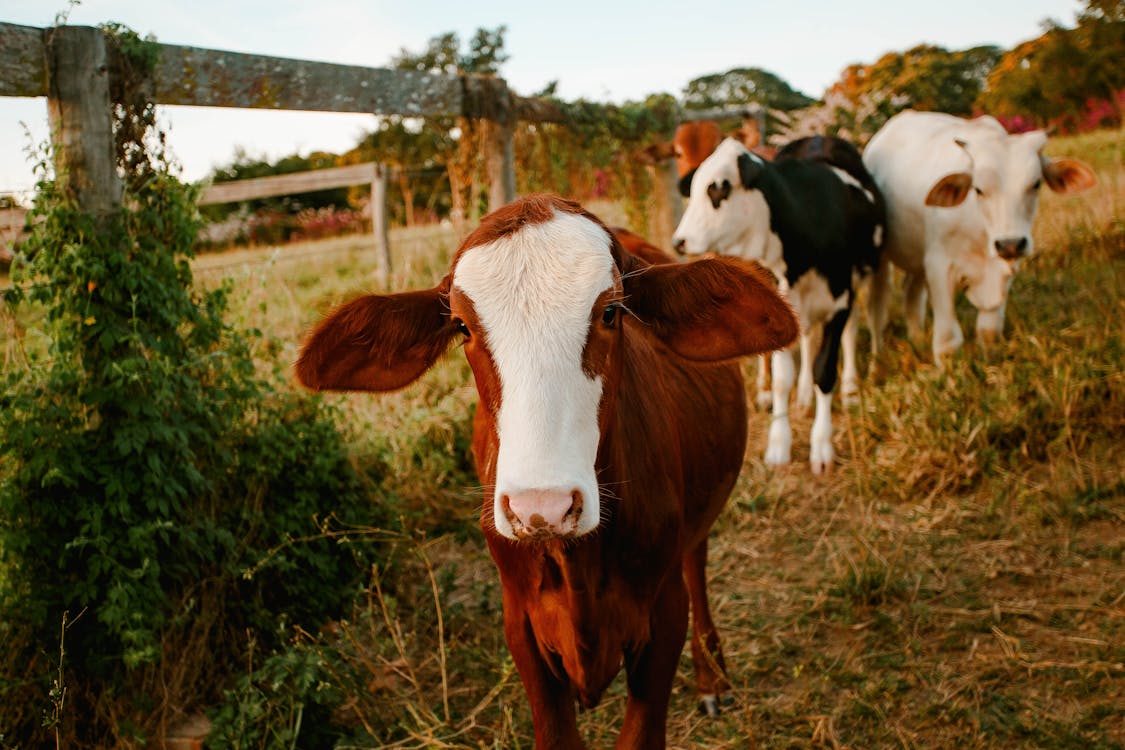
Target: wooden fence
371,173
70,65
12,220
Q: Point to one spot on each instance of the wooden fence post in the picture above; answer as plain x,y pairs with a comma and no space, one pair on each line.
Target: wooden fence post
668,206
81,117
379,222
491,101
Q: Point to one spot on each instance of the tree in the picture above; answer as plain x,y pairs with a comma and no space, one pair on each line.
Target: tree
1072,78
743,86
458,139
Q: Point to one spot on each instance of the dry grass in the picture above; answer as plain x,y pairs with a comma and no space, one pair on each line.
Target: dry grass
958,580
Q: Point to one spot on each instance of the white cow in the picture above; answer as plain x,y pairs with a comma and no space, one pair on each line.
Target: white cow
961,196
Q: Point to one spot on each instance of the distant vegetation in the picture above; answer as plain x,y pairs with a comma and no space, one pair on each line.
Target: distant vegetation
1069,79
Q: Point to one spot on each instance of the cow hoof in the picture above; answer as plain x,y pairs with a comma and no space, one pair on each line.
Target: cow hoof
712,705
777,456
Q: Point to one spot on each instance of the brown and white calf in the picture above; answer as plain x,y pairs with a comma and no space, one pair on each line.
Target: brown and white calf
610,431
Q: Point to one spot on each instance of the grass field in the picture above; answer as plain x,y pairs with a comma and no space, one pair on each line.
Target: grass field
958,580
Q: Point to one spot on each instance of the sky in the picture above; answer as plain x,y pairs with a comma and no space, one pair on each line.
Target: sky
602,50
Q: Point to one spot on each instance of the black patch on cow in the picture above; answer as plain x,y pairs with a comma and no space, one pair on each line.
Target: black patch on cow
718,193
749,169
826,226
685,184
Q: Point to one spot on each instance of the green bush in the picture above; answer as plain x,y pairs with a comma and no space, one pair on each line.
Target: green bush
164,508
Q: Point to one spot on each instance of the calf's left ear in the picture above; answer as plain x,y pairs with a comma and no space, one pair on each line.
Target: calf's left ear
712,309
1067,175
379,342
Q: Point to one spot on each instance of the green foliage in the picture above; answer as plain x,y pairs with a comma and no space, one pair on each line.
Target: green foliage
1070,77
245,167
285,701
743,86
157,493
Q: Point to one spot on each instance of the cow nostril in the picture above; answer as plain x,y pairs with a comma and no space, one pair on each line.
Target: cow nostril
576,503
1011,249
678,245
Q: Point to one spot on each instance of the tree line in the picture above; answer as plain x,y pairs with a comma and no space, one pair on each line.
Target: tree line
1069,79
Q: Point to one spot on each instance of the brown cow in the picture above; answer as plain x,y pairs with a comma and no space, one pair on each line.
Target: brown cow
696,140
610,431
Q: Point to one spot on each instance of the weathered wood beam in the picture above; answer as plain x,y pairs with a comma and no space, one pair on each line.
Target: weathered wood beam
81,118
216,78
23,67
286,184
745,112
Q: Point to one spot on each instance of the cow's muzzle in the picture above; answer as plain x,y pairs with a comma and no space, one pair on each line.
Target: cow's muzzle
1012,248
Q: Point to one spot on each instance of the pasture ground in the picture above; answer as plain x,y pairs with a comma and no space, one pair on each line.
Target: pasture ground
958,580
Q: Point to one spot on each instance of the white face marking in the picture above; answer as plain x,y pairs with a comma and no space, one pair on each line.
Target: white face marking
533,292
740,225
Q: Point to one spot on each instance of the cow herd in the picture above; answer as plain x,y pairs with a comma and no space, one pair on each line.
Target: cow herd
612,418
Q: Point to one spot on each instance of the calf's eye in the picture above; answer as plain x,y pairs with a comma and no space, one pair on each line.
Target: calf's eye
462,328
609,316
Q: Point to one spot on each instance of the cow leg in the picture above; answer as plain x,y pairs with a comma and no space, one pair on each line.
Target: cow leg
706,650
821,452
764,395
877,301
805,375
651,670
850,384
915,304
947,331
780,440
552,700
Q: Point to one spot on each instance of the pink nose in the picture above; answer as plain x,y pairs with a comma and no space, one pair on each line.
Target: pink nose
543,513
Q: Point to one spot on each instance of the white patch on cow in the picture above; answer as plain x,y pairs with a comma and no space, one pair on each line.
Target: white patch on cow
848,179
533,292
740,226
780,439
957,246
820,441
813,300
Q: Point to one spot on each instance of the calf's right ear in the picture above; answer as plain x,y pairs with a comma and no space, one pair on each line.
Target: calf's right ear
950,190
379,342
711,309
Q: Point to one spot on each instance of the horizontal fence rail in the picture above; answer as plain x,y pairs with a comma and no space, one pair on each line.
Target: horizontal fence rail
203,77
287,184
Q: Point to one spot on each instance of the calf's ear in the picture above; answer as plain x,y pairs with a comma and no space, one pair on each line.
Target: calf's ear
685,184
1067,175
950,190
711,309
749,169
379,342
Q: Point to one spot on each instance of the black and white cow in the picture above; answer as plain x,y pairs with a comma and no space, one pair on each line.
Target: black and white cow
815,219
